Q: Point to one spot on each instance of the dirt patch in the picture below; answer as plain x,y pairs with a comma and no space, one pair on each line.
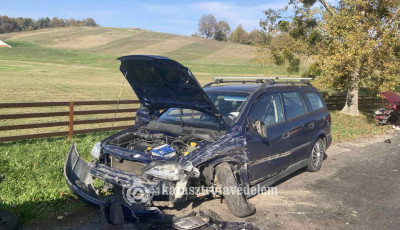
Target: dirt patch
164,47
90,41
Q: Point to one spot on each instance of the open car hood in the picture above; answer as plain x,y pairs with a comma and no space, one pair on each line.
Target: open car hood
160,82
392,97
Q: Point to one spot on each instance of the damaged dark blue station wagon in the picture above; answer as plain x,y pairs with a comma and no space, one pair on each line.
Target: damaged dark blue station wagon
233,132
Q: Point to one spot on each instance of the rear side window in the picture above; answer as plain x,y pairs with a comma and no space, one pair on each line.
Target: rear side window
294,105
267,109
315,101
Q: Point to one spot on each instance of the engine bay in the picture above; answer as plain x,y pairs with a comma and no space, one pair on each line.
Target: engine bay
157,144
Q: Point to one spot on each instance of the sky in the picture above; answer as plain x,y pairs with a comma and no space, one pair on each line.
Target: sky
169,16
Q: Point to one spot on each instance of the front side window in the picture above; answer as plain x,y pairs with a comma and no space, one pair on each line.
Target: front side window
315,101
294,105
267,109
229,105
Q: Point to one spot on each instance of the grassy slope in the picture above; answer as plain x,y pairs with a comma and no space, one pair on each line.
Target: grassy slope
79,62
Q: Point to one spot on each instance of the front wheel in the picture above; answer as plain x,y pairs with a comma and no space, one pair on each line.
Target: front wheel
316,156
235,199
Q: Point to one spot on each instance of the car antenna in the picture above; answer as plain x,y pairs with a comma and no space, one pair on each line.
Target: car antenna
119,99
181,117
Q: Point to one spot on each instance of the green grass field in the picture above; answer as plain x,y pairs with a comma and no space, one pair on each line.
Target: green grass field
79,63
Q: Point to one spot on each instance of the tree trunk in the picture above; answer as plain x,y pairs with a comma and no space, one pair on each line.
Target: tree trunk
351,105
327,7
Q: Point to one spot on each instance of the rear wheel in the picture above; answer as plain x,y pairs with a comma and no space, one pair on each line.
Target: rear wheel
316,156
235,200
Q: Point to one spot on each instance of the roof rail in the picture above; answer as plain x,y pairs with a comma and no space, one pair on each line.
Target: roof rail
267,80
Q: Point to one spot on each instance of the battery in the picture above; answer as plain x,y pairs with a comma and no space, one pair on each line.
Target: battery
164,151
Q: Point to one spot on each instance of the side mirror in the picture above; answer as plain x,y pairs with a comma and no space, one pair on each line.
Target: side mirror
260,128
257,127
142,117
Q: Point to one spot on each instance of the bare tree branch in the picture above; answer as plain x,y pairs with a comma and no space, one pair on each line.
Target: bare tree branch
395,16
327,7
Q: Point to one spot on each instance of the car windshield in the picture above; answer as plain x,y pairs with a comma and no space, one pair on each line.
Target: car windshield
228,105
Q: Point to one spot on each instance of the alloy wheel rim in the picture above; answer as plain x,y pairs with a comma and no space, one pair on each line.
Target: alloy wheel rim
317,154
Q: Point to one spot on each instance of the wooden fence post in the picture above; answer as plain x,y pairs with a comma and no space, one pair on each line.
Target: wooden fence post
71,120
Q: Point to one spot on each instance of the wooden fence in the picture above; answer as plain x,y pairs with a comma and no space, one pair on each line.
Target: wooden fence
69,122
364,102
333,102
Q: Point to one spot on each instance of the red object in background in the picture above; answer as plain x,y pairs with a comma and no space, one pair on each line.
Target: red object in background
392,97
390,114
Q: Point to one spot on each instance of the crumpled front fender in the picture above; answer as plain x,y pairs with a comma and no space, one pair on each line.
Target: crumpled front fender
80,181
78,178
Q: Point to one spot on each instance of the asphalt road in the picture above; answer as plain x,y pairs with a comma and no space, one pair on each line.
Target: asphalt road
358,187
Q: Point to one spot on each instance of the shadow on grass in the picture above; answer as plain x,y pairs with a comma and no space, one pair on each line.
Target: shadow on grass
55,213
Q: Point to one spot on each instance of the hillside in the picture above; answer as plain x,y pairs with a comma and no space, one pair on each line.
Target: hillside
115,41
79,63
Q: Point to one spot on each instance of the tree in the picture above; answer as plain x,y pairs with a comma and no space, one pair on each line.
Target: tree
7,25
28,24
57,22
196,35
207,25
239,35
257,37
42,23
222,31
356,43
89,22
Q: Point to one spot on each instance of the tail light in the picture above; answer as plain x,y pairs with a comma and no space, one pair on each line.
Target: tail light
328,119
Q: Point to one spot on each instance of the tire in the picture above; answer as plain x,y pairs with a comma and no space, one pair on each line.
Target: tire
236,202
316,156
8,221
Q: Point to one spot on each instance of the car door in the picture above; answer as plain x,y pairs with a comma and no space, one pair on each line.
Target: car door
301,126
269,148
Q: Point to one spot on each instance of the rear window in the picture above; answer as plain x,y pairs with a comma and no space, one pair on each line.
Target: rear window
294,105
315,101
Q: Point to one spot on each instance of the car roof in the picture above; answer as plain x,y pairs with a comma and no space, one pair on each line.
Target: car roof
250,88
239,88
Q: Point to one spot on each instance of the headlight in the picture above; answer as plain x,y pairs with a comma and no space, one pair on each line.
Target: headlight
96,150
167,171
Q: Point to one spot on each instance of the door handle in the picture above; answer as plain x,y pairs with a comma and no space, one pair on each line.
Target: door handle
311,125
285,135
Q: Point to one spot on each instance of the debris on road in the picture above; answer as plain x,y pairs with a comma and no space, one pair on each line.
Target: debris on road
201,221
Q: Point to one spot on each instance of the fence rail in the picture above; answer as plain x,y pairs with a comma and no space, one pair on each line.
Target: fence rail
364,102
70,122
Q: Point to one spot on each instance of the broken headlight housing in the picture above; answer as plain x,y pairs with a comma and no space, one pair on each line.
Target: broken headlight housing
96,150
167,171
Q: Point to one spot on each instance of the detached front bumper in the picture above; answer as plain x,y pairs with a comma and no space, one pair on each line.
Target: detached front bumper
79,177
